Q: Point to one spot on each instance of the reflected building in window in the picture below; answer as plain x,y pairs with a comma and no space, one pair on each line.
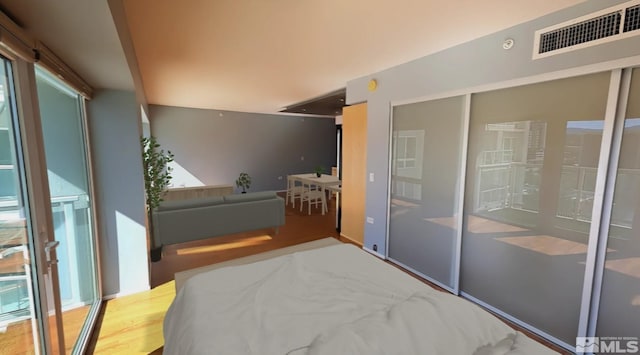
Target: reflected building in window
626,205
407,164
508,167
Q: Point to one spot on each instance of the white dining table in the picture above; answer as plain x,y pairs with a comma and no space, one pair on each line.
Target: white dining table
324,181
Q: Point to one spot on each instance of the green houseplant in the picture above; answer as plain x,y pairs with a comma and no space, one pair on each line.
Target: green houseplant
157,176
244,182
319,171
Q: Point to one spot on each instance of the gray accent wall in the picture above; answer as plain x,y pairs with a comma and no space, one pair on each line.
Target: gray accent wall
213,147
114,129
472,64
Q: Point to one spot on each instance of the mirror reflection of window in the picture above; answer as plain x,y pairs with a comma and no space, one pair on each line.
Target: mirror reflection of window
407,163
578,176
508,169
627,192
426,152
532,161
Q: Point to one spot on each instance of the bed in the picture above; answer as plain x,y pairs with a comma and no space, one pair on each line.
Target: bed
333,299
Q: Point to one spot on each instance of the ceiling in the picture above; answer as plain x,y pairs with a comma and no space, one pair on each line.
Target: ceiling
258,56
81,33
330,104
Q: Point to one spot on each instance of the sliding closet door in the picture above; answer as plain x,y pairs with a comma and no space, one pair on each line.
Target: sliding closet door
531,172
619,314
427,148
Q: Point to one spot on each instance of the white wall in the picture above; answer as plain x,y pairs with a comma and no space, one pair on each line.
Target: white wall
114,127
475,63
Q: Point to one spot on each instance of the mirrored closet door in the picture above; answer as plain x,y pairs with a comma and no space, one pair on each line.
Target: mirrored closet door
524,199
531,172
426,165
619,306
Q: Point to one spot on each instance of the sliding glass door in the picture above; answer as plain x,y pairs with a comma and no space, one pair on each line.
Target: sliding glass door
68,170
30,306
49,290
21,330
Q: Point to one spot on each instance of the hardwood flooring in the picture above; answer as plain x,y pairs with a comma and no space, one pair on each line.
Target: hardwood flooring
133,324
18,337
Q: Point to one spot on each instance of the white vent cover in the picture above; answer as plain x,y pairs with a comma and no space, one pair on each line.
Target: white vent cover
607,25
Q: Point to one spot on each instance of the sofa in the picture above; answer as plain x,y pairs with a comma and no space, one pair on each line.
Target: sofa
180,221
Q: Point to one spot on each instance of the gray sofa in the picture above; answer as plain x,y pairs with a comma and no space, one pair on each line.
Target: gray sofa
182,221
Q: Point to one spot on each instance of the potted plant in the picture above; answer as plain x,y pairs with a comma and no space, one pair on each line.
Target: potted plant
319,171
157,176
244,182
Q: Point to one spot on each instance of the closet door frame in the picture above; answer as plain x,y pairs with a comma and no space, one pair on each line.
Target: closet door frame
591,296
461,191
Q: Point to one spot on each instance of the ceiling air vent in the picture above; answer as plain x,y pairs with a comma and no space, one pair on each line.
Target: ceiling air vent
607,25
632,18
600,27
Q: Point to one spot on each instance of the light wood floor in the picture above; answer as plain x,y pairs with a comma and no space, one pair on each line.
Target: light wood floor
133,324
18,337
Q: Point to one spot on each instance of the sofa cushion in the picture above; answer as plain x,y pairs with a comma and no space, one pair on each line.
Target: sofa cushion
190,203
250,196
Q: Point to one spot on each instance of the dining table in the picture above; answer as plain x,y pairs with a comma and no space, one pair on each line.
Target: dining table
323,182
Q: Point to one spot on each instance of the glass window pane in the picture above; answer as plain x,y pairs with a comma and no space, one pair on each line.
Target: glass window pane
619,313
528,202
19,329
422,224
67,168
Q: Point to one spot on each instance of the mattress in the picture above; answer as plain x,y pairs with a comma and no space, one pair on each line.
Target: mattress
331,300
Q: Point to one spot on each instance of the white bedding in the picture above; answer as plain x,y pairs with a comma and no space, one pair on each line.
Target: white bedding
332,300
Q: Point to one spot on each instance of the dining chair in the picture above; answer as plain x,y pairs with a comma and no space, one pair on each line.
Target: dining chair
313,195
334,189
295,189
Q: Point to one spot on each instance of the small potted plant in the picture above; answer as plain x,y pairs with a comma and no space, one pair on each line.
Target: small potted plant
319,171
244,182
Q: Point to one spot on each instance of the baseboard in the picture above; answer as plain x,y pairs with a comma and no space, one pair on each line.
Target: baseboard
374,253
122,294
345,239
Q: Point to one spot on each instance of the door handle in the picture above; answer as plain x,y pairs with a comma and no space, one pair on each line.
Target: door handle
48,247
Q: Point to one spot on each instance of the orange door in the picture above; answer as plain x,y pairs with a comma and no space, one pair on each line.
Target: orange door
354,171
